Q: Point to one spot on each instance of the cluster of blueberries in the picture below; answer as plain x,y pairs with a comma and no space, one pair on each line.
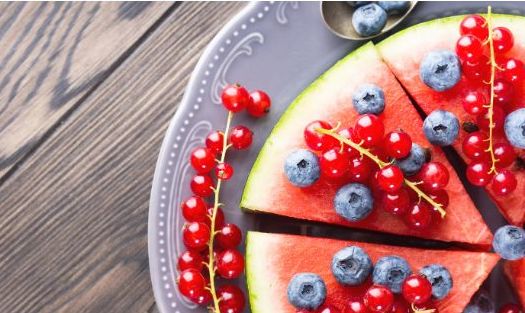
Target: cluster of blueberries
369,17
351,266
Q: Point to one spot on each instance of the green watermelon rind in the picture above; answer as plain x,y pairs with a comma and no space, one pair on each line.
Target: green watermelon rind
250,185
251,273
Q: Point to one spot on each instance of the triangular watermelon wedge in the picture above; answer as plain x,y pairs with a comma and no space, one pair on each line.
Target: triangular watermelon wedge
515,271
272,259
267,189
403,53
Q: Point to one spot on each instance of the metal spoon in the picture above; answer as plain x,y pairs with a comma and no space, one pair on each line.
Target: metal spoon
337,16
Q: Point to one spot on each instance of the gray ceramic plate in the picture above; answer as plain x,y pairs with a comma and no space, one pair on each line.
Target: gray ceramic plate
278,47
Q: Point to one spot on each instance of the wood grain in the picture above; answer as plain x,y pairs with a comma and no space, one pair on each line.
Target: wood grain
52,55
74,213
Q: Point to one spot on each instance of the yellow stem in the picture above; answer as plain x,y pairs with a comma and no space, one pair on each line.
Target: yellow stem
417,310
213,232
381,164
493,67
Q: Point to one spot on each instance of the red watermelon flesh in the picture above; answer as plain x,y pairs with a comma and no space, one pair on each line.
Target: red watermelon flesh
329,98
403,53
515,271
272,260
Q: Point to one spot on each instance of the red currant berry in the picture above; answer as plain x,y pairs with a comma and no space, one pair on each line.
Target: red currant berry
192,284
441,197
504,183
474,102
397,144
360,169
400,306
369,128
232,299
202,160
434,175
260,103
478,173
510,308
215,141
475,145
348,134
334,164
202,185
479,71
503,92
190,259
474,25
416,289
230,264
230,236
317,141
396,203
503,39
498,118
513,70
196,235
194,209
379,299
469,48
355,306
235,98
219,217
241,137
326,308
390,178
224,171
505,154
419,216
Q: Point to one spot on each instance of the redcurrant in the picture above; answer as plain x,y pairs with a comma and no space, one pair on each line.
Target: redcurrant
190,259
469,48
434,175
475,25
397,144
396,203
400,306
379,299
334,164
475,145
498,118
219,217
196,235
348,134
503,92
416,289
505,154
202,160
241,137
419,216
230,264
215,141
440,197
513,70
235,98
477,72
232,299
202,185
229,236
194,209
474,102
326,308
504,183
355,306
360,169
510,308
390,178
259,104
478,173
369,128
316,140
192,284
503,39
224,171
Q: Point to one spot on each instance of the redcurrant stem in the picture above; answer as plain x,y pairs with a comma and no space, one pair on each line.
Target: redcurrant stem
493,68
216,204
381,164
417,310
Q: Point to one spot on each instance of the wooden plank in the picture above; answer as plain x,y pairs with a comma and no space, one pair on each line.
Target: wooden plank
74,214
52,55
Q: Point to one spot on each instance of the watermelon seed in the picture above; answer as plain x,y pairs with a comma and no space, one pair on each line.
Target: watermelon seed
470,127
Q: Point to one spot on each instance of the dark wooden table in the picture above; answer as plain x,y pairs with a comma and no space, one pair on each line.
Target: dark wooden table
86,94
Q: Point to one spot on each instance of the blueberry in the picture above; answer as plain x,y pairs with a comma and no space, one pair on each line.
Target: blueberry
356,4
369,20
302,168
440,278
353,202
351,266
411,164
509,242
440,70
441,127
369,98
515,128
394,7
391,271
306,291
480,303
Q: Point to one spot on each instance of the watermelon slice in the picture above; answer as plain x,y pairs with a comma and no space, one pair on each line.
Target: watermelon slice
329,98
272,259
403,53
515,271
